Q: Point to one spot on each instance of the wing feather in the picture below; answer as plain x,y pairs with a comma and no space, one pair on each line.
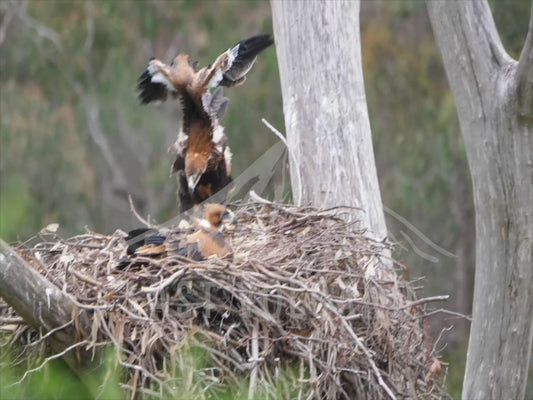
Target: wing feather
154,83
242,57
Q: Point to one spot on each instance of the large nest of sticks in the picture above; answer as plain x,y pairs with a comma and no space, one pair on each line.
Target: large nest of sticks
299,311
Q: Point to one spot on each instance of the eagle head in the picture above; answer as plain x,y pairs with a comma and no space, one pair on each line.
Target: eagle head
219,217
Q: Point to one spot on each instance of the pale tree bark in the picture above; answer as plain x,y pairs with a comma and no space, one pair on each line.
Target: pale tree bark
494,99
46,308
326,118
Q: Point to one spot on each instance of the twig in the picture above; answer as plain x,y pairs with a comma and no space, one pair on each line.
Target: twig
364,349
10,11
255,361
419,252
291,155
50,333
46,361
167,282
118,348
85,278
134,211
258,199
11,320
423,301
419,233
444,311
42,30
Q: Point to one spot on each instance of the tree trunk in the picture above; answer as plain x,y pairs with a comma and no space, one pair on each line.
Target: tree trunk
326,117
493,95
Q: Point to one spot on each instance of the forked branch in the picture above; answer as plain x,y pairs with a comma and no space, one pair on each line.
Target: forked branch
471,50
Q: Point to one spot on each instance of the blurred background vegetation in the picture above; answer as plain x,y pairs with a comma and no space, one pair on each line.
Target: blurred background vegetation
75,141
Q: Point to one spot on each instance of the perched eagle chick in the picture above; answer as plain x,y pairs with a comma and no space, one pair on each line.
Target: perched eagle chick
208,241
203,157
210,237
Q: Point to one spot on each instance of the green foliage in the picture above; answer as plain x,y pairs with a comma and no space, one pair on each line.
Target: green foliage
192,379
16,209
511,19
55,380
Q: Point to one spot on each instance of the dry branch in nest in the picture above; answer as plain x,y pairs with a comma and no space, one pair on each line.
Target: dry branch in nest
294,314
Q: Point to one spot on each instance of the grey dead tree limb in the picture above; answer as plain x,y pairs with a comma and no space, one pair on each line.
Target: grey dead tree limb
494,99
43,306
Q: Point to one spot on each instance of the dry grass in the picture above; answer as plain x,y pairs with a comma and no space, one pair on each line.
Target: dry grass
297,313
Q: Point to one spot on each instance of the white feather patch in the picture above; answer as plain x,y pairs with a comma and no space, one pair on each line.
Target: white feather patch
206,102
192,181
227,159
152,69
216,79
158,77
228,154
204,224
218,134
232,54
182,138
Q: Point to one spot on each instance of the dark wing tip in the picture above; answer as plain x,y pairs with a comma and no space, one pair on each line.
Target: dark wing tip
253,45
136,239
247,51
150,91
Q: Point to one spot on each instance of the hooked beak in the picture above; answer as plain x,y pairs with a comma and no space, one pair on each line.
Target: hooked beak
192,181
228,220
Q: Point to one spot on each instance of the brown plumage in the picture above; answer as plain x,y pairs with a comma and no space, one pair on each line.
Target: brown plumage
203,157
206,242
209,237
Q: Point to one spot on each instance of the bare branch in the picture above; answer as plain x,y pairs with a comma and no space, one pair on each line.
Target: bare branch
254,360
38,301
134,211
92,113
42,305
89,18
525,74
46,361
10,12
366,352
418,232
41,30
291,155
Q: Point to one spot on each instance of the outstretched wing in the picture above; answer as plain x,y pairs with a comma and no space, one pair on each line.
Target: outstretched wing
155,84
242,57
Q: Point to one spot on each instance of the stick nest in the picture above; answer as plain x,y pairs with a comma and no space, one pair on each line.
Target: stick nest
298,312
